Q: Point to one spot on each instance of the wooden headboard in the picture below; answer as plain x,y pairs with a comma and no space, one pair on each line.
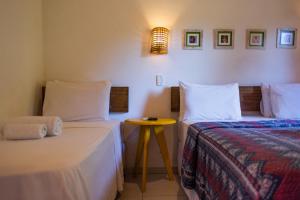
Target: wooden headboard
250,97
118,99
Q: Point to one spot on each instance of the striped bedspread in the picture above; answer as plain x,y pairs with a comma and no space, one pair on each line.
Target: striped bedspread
243,160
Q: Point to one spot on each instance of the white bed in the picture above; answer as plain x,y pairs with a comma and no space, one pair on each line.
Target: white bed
182,134
85,162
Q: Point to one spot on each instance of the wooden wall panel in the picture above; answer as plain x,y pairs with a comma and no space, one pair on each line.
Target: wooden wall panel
175,99
119,99
250,97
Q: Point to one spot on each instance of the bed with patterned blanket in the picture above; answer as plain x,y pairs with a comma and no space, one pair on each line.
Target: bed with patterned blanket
243,160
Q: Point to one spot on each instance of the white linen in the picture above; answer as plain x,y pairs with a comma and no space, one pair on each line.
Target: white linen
210,102
54,124
85,162
285,101
266,108
74,101
182,134
191,194
24,131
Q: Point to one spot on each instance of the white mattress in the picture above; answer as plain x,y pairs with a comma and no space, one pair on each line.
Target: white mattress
85,162
182,134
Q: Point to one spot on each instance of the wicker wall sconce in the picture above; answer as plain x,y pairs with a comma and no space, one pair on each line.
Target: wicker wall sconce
159,43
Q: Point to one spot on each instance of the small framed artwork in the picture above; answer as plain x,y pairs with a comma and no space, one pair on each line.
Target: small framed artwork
193,39
256,38
224,38
286,38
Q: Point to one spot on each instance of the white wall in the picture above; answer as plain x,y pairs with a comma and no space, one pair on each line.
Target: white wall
99,39
21,57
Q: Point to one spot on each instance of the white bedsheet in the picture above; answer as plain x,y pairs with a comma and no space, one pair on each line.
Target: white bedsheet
182,134
85,162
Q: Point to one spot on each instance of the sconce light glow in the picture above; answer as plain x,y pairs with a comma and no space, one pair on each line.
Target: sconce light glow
159,43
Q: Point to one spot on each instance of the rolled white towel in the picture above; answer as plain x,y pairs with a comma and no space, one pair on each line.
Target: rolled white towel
54,124
24,131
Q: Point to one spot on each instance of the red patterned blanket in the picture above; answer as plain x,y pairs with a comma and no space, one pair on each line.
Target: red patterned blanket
243,160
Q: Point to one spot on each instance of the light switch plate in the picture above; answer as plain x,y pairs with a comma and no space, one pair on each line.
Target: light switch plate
159,80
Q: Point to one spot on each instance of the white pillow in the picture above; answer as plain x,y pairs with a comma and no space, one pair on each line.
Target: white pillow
209,102
265,107
73,101
285,100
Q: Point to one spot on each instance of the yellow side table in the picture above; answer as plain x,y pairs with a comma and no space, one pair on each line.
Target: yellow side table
144,137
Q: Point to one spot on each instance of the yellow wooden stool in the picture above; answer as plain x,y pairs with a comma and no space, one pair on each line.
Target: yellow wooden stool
142,147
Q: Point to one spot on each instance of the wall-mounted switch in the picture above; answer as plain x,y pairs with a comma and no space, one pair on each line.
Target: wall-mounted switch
159,80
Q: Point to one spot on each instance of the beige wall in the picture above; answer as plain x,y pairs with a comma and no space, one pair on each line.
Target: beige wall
21,63
100,39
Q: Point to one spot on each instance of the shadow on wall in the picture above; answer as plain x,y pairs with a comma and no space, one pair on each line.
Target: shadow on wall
153,107
146,43
159,105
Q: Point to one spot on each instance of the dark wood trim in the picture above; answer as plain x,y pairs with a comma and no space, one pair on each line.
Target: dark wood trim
118,99
175,99
250,97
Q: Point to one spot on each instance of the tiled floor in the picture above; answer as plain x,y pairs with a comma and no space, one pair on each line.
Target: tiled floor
158,188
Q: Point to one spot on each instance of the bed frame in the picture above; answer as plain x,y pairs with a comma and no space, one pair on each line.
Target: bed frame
118,99
250,97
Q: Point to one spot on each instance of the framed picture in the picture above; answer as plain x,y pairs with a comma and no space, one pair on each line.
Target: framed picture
286,38
256,39
224,38
193,39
